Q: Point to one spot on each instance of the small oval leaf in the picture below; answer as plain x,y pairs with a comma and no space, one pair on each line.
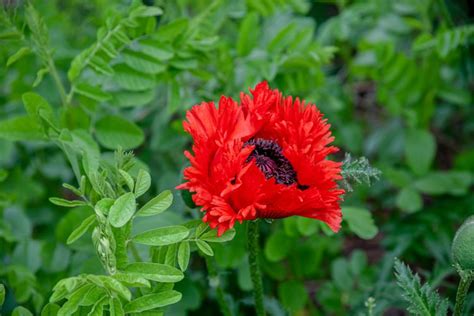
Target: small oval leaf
79,231
162,236
152,301
122,210
204,247
184,252
157,205
155,271
211,236
143,183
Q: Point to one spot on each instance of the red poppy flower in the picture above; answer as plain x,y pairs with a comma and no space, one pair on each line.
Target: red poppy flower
262,158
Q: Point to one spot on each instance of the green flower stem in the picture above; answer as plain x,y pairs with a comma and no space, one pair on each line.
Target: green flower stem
215,283
57,80
463,287
256,275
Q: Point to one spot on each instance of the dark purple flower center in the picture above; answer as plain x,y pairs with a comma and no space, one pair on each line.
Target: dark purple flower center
269,158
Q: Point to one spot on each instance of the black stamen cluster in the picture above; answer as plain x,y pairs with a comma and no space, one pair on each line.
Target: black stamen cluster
269,158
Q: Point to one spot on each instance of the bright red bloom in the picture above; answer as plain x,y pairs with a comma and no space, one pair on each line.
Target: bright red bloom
262,158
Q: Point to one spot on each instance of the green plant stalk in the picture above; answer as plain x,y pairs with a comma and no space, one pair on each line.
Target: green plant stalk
57,80
213,275
255,273
463,287
41,40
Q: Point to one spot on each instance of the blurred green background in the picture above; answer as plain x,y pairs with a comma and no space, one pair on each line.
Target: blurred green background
393,78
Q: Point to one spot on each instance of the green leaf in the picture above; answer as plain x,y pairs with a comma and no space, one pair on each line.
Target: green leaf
74,300
420,149
103,206
445,182
101,66
93,296
122,210
156,49
278,246
130,79
173,29
64,287
360,222
358,262
455,95
114,132
74,117
128,179
307,226
109,49
423,300
146,11
133,98
116,308
39,76
132,280
80,142
204,247
10,34
155,272
184,64
79,231
162,236
51,309
20,128
409,200
211,236
22,52
142,62
293,295
73,189
248,34
200,229
98,308
340,273
282,39
157,205
66,203
2,294
21,311
116,286
143,183
152,301
92,92
184,252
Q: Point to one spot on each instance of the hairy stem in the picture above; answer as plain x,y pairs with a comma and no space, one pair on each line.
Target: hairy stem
215,283
255,273
57,80
463,287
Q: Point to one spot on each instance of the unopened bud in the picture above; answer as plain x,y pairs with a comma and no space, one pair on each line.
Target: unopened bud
463,245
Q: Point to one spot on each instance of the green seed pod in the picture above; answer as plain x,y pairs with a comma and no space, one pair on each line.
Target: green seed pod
463,245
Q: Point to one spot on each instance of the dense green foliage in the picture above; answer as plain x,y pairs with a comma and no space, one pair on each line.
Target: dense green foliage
84,82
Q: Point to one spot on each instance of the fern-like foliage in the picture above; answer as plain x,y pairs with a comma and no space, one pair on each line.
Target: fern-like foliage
113,37
449,40
36,40
423,299
357,170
